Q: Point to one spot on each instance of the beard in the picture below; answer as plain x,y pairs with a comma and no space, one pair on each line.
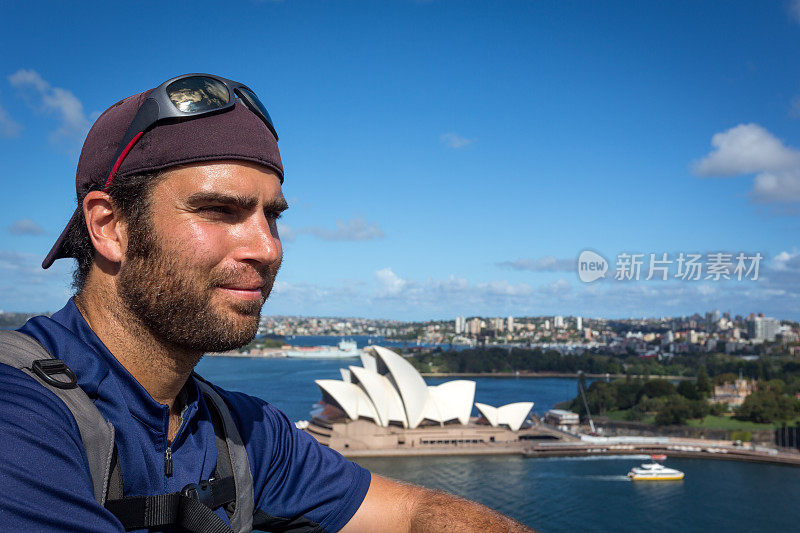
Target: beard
172,298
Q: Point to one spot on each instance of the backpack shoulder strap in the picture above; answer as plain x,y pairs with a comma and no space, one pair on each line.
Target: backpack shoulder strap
24,353
242,517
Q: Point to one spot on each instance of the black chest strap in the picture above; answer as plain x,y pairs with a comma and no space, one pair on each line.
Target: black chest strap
193,507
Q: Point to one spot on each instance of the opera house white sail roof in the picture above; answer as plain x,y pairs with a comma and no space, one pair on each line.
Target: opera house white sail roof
511,415
388,389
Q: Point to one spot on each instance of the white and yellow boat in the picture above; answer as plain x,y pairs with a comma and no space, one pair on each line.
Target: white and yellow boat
654,472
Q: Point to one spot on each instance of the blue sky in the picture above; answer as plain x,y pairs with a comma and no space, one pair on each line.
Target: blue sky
447,157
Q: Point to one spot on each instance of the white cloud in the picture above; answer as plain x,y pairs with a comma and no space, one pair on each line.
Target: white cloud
309,293
548,263
8,127
26,226
786,261
745,149
455,141
389,283
706,289
356,229
74,124
751,149
559,287
777,187
449,295
504,288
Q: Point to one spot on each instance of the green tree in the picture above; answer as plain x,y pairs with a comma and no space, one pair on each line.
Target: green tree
688,390
703,384
658,387
727,377
675,412
766,407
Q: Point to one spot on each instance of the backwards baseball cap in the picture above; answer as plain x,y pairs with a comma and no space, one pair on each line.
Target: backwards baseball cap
237,129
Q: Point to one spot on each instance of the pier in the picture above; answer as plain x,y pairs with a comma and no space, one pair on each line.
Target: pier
542,441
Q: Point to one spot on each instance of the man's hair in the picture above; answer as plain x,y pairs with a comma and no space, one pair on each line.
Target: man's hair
131,195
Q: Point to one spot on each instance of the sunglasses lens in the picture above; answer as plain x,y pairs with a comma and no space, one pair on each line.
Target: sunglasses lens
255,105
198,94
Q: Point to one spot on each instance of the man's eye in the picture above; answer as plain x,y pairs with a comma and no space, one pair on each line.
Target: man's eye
273,215
220,209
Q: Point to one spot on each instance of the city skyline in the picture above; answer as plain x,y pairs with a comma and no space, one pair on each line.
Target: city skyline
451,158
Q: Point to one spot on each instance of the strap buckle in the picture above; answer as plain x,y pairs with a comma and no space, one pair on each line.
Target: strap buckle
47,368
201,492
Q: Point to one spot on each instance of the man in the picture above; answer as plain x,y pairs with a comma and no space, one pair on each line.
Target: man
177,248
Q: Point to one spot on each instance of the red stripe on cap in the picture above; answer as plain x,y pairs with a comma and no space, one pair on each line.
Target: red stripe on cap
120,159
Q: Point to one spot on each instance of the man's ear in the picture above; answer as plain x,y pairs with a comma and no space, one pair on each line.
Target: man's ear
106,229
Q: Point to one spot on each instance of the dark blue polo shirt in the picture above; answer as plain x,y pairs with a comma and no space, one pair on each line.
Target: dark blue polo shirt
45,484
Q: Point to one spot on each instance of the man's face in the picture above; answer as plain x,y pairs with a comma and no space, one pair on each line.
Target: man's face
198,272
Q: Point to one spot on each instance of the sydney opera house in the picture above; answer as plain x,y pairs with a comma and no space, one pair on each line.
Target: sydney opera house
386,405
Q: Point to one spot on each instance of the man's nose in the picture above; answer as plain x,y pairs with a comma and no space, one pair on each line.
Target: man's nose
261,241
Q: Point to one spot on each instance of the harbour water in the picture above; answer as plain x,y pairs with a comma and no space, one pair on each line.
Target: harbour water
561,494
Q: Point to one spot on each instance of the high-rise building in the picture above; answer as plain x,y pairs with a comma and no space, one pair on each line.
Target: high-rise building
547,325
461,325
579,323
510,324
475,326
558,322
763,328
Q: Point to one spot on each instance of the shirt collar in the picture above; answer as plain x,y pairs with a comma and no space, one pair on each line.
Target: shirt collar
92,372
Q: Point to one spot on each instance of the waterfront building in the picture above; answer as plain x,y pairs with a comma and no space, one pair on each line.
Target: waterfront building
562,419
475,326
498,324
761,329
733,394
461,325
386,404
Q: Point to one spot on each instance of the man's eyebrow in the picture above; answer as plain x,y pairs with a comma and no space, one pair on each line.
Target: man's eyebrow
241,202
277,205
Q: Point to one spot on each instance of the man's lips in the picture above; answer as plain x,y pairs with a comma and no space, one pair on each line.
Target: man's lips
249,290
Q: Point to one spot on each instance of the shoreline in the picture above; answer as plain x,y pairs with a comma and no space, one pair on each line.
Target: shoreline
690,450
573,375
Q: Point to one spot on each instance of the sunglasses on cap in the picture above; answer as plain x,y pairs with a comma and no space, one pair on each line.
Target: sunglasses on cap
186,97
